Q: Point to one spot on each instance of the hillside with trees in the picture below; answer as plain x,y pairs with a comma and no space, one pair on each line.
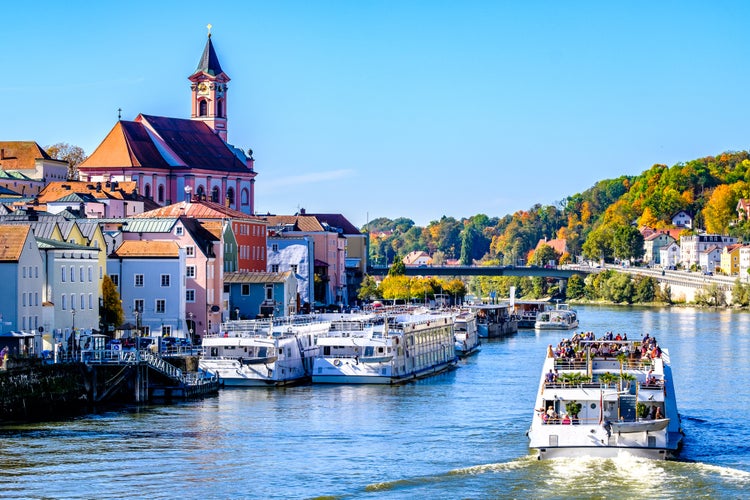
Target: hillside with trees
600,223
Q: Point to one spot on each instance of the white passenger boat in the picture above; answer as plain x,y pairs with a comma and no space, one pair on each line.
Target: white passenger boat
560,318
263,352
385,350
465,334
603,398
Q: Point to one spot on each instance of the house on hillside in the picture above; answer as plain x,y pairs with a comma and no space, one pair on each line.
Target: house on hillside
730,259
709,260
669,255
682,219
417,258
652,244
692,246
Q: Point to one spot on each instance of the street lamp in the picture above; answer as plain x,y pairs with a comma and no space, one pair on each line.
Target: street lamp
73,333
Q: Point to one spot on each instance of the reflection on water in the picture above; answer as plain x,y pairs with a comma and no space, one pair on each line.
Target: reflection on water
458,435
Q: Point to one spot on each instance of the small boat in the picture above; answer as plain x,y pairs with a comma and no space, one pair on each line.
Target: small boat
605,397
465,334
271,352
377,349
494,320
560,318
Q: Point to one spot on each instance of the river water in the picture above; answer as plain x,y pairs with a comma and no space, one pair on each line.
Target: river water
457,435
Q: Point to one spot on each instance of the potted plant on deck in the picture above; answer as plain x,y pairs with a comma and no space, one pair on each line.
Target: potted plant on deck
607,378
573,408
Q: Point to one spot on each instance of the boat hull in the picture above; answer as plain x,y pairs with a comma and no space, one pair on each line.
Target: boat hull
605,452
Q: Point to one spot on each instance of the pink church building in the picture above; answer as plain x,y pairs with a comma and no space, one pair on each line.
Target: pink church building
175,159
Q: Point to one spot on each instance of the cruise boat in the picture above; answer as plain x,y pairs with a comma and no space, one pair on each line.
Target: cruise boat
465,334
385,350
560,318
263,352
494,320
605,397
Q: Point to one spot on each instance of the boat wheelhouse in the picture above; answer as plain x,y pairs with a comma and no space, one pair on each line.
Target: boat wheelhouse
605,397
526,311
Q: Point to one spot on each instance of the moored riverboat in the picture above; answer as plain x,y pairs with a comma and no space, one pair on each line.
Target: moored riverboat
385,350
494,320
263,352
465,334
606,397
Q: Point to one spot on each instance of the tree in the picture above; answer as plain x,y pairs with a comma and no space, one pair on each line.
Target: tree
395,287
111,312
368,290
74,155
575,287
544,254
398,268
627,243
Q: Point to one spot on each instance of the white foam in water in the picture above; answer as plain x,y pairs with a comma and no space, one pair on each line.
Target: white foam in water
740,476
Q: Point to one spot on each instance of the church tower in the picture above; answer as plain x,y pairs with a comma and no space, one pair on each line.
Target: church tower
209,91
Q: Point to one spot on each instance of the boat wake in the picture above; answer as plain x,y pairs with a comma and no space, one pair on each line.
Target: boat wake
520,463
580,477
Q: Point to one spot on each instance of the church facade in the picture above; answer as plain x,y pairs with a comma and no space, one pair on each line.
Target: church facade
177,159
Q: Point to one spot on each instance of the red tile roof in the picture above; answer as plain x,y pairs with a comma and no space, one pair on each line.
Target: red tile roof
20,155
145,248
12,238
198,209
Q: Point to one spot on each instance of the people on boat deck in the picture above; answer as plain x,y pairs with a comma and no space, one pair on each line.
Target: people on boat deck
550,352
658,414
550,376
566,419
652,413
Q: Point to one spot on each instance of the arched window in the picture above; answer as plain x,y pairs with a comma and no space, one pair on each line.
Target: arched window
200,193
160,193
220,108
230,197
147,191
203,108
245,197
215,194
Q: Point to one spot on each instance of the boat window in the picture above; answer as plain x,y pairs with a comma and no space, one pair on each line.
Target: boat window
281,350
380,350
262,352
327,350
214,351
368,351
288,352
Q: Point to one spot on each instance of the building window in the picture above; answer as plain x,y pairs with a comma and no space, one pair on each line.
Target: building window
147,191
189,295
115,279
275,247
91,274
179,230
202,108
161,306
220,108
190,271
215,194
24,271
36,298
230,197
72,274
245,197
62,274
166,331
36,271
139,280
138,305
81,274
64,303
245,289
274,268
83,302
165,280
294,268
269,291
160,193
190,251
91,301
23,300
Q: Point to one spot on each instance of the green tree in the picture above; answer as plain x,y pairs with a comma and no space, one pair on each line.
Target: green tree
645,289
368,290
111,312
627,243
398,268
576,287
740,293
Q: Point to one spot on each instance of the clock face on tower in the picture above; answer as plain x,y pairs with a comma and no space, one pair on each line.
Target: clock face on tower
202,88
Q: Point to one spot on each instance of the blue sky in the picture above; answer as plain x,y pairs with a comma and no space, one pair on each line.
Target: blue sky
398,108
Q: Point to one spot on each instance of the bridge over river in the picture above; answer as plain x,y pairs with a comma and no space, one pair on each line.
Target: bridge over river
547,272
